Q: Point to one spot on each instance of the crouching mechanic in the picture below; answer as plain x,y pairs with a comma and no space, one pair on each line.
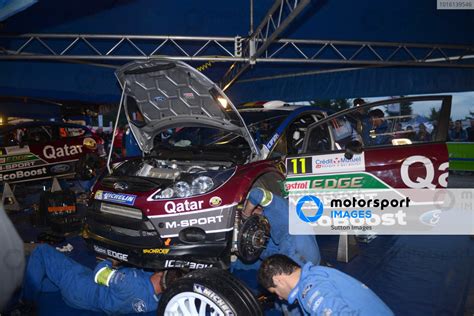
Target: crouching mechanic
300,248
319,290
105,289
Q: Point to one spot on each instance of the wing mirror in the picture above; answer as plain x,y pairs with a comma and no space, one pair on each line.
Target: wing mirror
354,147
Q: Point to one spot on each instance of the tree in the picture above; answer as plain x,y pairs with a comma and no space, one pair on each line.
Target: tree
434,115
405,107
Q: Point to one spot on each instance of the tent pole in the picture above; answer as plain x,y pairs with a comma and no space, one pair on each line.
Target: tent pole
115,127
251,18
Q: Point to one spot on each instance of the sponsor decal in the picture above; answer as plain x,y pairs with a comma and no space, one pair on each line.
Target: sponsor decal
186,264
316,304
338,163
139,306
120,186
90,143
201,289
188,95
111,253
20,174
306,290
159,98
51,152
194,222
272,141
156,251
17,165
355,180
61,168
215,201
62,209
428,181
167,242
18,158
13,150
100,250
296,185
121,198
172,207
431,218
313,297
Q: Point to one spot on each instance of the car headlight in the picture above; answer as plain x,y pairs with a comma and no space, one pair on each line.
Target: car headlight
201,185
194,184
182,189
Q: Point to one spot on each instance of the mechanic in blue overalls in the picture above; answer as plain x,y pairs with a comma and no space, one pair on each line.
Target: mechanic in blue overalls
105,289
319,290
301,248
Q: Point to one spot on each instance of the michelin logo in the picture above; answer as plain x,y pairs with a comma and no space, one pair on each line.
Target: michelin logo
121,198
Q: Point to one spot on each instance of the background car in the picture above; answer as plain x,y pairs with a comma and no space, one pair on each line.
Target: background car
40,150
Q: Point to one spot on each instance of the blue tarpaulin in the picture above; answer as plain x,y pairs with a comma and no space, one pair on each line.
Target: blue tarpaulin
405,21
11,7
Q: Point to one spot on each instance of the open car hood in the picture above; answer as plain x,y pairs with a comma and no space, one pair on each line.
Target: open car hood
163,93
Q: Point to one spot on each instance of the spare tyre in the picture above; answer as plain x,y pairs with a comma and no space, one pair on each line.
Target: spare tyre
208,292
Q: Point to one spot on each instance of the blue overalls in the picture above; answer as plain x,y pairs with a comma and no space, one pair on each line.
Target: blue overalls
327,291
122,291
300,248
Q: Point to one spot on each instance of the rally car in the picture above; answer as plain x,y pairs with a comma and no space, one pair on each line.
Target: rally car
177,207
34,151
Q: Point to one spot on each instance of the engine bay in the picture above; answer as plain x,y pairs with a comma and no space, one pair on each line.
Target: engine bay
169,169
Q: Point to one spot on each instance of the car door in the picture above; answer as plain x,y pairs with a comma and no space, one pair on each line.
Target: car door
403,146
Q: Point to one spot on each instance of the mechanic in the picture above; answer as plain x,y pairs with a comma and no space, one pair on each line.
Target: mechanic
362,119
319,290
109,290
301,248
377,133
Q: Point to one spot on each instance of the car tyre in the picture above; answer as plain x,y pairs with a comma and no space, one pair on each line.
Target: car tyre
202,292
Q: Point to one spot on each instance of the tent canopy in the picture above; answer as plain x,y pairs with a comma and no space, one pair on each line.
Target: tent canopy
365,21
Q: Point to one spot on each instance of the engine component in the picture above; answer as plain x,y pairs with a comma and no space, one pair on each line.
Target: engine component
253,236
148,170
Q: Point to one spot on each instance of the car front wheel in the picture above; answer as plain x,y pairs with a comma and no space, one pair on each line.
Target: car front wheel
208,292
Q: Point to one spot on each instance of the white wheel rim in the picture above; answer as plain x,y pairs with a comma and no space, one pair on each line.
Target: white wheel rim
190,303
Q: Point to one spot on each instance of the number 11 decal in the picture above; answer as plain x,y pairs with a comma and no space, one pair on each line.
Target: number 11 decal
299,165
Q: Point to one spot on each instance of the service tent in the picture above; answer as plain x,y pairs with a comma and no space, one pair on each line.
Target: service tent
366,21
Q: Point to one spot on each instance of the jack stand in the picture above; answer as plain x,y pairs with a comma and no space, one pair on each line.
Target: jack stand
347,248
8,199
55,186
